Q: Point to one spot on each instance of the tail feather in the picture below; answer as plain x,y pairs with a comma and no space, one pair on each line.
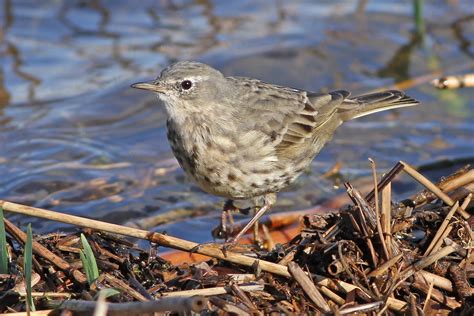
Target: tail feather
375,102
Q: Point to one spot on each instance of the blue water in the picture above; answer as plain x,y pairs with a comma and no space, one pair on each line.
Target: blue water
75,138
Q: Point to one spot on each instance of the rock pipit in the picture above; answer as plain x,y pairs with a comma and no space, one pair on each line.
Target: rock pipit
243,138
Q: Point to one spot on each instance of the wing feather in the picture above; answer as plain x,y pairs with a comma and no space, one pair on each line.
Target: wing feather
288,116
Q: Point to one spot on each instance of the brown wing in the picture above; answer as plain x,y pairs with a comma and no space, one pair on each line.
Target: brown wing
367,104
317,110
288,116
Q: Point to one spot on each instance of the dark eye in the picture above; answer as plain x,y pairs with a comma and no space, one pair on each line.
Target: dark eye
186,84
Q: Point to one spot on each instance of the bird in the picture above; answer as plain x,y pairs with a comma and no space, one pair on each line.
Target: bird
245,139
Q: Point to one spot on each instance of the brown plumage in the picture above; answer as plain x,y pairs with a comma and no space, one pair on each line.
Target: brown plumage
243,138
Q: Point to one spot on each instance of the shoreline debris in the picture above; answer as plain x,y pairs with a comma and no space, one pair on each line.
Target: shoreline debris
414,256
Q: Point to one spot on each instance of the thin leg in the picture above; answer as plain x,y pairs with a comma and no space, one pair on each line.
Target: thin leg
226,227
256,235
231,223
223,230
254,219
224,215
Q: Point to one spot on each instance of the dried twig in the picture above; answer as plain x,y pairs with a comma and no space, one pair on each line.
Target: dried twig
214,291
165,304
428,297
115,282
45,253
244,298
437,280
364,211
454,82
421,285
308,287
363,308
386,216
421,264
377,211
441,229
227,307
385,266
385,180
160,239
461,284
333,296
433,188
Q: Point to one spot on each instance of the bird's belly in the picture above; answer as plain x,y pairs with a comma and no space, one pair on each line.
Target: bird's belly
234,168
239,182
230,175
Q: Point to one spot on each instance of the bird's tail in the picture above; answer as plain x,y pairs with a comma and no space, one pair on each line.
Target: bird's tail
368,104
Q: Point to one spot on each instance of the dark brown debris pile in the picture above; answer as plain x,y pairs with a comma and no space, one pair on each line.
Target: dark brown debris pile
414,257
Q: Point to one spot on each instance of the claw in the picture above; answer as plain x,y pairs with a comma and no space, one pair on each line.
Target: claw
196,248
218,232
228,245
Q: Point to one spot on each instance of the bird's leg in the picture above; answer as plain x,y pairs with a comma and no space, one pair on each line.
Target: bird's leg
222,231
269,200
225,229
226,213
256,235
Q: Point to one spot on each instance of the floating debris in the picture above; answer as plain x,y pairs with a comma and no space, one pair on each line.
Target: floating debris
454,82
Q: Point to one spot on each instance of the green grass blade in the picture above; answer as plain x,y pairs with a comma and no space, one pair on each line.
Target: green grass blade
418,15
107,292
88,261
3,246
87,268
28,268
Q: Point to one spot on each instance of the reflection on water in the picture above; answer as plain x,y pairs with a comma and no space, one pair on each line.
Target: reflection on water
74,137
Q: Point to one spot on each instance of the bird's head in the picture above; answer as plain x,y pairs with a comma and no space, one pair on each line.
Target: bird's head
187,84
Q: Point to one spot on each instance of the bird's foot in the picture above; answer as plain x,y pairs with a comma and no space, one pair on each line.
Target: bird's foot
228,245
220,232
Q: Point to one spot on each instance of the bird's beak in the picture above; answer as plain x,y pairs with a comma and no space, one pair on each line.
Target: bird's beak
151,86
